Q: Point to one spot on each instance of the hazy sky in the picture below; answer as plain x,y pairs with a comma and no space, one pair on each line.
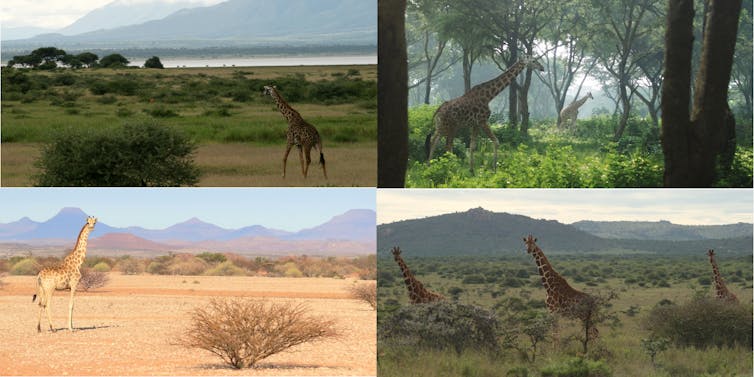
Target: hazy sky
56,14
289,209
720,206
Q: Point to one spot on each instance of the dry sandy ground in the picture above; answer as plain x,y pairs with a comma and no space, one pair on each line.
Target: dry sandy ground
130,327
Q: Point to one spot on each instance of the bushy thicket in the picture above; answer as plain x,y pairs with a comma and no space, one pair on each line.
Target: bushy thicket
441,325
577,367
134,154
702,322
582,156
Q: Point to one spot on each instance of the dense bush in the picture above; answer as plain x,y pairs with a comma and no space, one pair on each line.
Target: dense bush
27,266
244,332
577,367
92,279
702,322
366,292
137,154
442,325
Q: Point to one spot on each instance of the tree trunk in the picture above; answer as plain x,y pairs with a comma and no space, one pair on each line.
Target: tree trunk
467,63
392,97
698,143
524,103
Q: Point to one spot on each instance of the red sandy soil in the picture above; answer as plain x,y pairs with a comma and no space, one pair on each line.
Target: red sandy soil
132,325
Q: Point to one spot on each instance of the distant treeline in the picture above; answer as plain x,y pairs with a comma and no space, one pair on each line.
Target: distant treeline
220,51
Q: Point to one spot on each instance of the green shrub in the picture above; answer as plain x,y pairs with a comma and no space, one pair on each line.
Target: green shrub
577,367
157,268
101,267
702,322
27,266
137,154
442,325
226,268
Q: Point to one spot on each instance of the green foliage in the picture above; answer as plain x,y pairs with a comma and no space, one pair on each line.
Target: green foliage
212,257
740,172
134,154
153,62
653,346
113,61
27,266
577,367
226,268
702,322
442,325
101,267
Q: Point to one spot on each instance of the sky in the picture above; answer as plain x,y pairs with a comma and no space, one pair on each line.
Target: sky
57,14
679,206
290,209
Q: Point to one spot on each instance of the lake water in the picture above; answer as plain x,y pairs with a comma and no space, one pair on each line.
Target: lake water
264,61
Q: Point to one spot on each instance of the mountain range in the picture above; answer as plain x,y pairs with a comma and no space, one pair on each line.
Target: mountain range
482,232
233,22
350,233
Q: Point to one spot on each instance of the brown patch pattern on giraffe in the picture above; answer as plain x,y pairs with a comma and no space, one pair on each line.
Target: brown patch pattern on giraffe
571,112
561,297
472,111
65,275
417,294
299,133
721,291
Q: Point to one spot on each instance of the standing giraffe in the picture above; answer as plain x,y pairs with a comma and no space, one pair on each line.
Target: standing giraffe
63,276
561,297
721,291
300,133
417,294
570,112
472,110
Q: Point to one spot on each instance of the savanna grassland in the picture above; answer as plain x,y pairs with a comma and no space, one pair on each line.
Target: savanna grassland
239,134
584,155
510,287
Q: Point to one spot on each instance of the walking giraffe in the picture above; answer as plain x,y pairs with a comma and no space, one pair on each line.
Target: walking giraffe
63,276
721,291
300,133
570,112
472,110
561,297
417,294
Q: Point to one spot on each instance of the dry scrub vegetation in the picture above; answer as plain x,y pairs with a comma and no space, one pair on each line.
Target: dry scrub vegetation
242,332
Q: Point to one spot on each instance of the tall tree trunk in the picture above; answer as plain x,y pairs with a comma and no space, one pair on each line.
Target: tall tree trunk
698,142
467,65
392,97
524,103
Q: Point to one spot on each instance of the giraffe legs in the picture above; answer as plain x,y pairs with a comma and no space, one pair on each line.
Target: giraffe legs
472,146
488,131
433,145
304,168
307,152
285,157
70,305
322,159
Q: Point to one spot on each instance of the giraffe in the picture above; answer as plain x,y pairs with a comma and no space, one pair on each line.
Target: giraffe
570,112
300,133
472,110
561,297
721,291
63,276
417,294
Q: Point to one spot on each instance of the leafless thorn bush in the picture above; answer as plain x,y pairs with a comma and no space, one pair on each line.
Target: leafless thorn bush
91,279
242,332
366,292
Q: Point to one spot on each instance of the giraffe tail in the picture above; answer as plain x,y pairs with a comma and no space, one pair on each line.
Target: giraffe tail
34,298
427,145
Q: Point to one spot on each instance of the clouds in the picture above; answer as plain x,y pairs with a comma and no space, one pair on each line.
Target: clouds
567,206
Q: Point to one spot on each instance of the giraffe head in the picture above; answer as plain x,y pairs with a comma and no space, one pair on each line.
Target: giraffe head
531,62
90,221
711,254
396,251
268,89
530,243
589,94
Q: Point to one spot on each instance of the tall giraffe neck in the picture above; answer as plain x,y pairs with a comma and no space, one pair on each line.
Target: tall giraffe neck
78,253
288,112
490,89
719,283
550,277
408,277
580,102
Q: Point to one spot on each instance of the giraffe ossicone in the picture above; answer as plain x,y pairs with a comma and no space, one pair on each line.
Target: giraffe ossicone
65,275
472,110
417,294
299,133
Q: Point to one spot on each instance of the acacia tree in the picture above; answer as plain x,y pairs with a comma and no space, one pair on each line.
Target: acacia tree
699,141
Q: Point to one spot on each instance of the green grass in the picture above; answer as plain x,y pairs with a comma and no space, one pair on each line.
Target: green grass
512,284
